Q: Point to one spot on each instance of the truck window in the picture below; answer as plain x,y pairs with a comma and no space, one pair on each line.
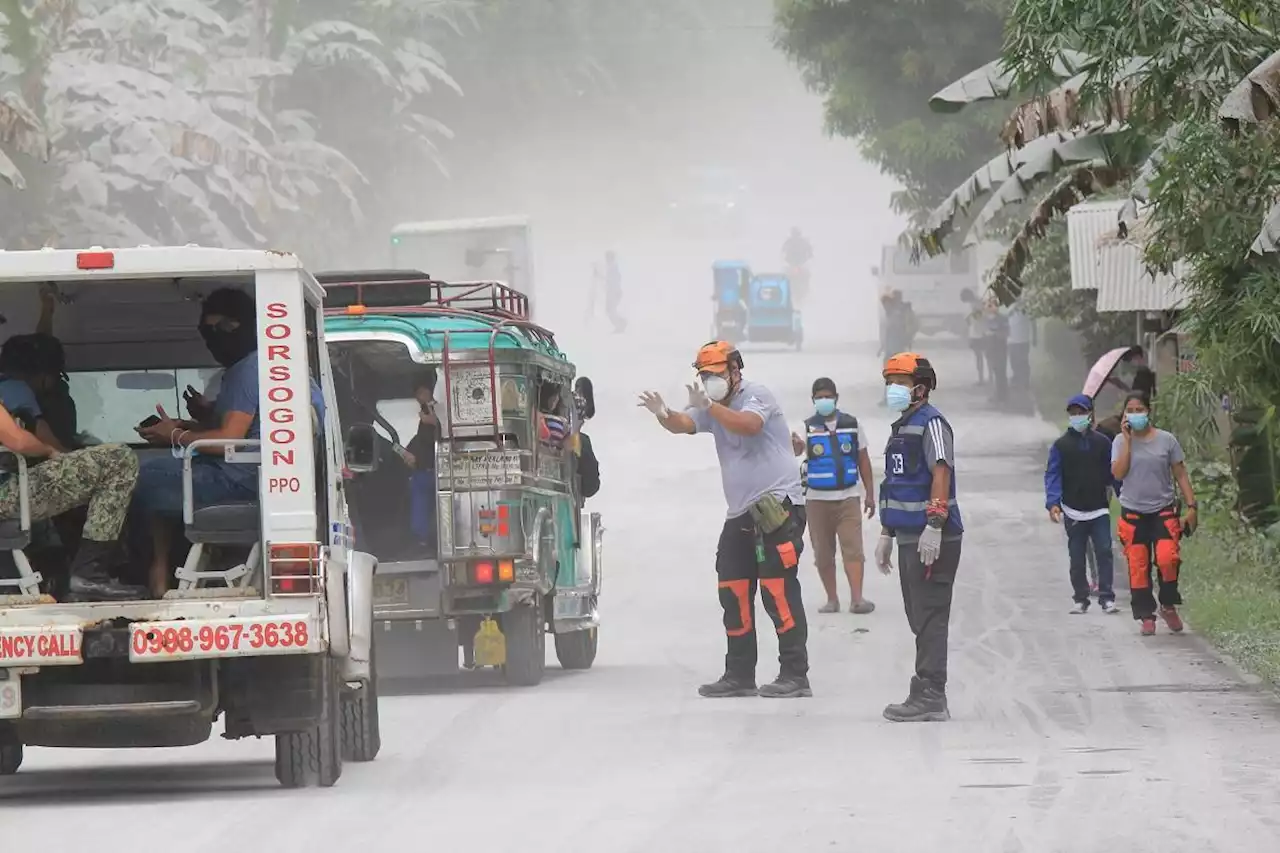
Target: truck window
937,265
110,403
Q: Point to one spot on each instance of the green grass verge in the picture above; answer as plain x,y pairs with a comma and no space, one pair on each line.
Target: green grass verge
1231,585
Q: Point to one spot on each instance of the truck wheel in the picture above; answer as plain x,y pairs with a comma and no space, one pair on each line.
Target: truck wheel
313,757
361,731
525,629
10,758
577,649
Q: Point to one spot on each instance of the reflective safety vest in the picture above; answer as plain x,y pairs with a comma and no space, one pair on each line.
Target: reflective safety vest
831,457
908,481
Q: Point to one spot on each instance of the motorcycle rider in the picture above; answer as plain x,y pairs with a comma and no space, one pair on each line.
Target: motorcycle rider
918,508
797,252
763,536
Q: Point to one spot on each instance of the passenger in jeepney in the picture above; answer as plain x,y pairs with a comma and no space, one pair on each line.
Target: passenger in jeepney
588,467
553,427
420,456
227,325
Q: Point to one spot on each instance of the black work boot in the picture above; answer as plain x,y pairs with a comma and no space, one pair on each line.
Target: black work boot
90,580
925,704
729,686
787,687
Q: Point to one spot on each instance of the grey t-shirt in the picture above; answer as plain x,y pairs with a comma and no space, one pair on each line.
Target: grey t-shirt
939,446
752,466
1148,487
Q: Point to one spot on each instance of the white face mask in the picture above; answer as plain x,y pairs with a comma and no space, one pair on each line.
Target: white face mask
717,387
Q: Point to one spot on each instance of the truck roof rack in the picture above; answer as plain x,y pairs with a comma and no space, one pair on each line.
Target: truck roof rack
386,290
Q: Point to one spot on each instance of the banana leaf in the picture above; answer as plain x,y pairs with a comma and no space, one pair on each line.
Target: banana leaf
994,81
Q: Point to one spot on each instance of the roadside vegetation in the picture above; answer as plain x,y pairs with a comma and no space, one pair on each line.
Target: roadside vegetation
1173,107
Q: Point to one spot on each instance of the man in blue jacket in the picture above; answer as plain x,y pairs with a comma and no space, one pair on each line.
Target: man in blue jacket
1076,481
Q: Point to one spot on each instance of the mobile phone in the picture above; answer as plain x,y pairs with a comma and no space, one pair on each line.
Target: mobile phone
149,422
190,393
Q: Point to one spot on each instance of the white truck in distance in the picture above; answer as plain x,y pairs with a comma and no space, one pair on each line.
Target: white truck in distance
933,286
269,623
461,250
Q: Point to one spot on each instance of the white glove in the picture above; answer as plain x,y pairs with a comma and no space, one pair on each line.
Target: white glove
884,553
698,398
652,401
930,545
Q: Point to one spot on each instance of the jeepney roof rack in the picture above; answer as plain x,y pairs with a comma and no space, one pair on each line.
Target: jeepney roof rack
354,293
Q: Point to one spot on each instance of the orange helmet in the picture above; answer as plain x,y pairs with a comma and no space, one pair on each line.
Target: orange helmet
914,365
717,357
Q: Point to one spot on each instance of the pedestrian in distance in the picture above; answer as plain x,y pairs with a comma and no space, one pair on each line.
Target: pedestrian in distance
1147,462
976,328
918,510
1077,484
837,481
763,536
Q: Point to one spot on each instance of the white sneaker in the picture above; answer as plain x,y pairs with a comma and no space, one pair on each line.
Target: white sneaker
1079,607
1110,607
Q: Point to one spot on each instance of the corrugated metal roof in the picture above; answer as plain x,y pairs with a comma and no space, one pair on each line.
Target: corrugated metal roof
1087,224
1135,291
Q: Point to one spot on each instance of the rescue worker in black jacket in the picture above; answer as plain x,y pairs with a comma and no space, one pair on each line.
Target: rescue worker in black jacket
1076,480
918,508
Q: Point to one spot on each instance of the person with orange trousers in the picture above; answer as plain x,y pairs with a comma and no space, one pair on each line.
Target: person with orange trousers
1147,462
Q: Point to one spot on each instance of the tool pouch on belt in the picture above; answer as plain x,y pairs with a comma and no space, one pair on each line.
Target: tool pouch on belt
775,532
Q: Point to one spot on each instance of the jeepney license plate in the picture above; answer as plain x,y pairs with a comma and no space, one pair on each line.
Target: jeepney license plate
40,646
390,592
195,639
11,698
483,469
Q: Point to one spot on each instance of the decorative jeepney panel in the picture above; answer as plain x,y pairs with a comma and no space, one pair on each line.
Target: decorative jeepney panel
470,396
480,470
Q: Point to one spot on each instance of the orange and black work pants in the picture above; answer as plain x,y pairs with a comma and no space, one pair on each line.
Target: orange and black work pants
1151,539
739,571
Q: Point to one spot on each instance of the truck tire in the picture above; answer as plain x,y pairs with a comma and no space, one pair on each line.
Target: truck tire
10,758
361,731
577,649
526,632
313,757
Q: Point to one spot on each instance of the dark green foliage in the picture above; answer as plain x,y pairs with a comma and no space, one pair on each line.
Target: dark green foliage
877,62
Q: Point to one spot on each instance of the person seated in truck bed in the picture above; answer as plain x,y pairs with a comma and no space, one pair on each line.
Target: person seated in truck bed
23,376
100,478
420,456
229,331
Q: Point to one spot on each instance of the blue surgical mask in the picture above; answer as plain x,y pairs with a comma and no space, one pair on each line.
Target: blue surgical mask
1079,423
897,397
1138,420
825,406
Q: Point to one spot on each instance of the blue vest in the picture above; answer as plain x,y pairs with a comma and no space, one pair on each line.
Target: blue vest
831,458
904,494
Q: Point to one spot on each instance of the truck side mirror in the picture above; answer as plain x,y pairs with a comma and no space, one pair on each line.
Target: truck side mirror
361,449
585,397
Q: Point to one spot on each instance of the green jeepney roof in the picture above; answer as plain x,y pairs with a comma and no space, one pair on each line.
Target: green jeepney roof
428,332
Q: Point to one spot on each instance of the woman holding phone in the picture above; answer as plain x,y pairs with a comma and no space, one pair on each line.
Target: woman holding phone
1148,461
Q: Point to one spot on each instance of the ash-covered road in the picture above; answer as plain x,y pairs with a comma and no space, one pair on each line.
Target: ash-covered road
1069,733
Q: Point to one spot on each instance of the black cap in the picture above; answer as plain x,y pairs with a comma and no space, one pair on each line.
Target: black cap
822,383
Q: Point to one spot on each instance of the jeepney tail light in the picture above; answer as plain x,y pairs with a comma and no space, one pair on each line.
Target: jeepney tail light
506,571
294,568
483,572
95,260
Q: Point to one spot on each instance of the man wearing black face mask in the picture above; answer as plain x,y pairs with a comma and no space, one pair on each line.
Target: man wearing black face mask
229,331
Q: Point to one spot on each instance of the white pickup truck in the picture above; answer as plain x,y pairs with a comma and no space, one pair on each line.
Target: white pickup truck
496,248
267,623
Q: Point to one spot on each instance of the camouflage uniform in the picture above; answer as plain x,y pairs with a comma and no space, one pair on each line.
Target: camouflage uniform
101,477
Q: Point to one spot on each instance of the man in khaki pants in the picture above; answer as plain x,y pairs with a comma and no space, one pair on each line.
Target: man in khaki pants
838,482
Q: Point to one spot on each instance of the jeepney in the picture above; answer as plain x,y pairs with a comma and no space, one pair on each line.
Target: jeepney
514,554
268,619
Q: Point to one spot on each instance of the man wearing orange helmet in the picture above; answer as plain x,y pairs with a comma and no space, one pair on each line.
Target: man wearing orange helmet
918,508
763,536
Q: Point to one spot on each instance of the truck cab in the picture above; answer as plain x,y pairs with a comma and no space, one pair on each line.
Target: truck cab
267,617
